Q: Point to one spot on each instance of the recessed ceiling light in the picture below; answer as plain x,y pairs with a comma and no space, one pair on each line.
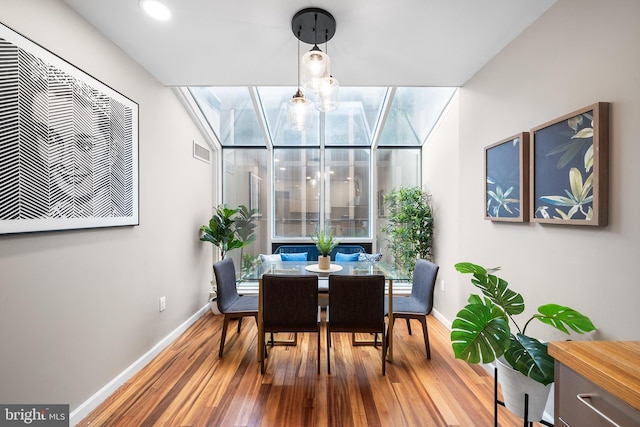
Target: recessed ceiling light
155,9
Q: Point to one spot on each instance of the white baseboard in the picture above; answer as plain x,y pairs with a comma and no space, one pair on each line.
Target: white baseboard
446,322
101,395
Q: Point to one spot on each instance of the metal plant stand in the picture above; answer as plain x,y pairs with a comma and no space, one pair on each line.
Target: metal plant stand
497,402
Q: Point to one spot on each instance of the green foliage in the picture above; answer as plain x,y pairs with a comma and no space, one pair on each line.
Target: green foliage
481,333
324,242
245,224
410,227
221,230
249,263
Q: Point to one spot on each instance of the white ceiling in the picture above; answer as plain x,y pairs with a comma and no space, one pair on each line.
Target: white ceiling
377,42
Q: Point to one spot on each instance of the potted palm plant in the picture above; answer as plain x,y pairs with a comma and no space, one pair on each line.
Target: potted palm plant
325,244
481,333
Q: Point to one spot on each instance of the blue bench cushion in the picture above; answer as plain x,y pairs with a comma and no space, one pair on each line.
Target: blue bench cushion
344,257
301,256
312,251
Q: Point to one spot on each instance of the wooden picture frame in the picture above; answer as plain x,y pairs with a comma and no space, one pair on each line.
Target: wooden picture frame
507,179
569,168
69,144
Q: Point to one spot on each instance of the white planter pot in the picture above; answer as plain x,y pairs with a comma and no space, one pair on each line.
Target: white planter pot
213,303
515,385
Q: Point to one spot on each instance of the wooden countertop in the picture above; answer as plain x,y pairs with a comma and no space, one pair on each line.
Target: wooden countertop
612,365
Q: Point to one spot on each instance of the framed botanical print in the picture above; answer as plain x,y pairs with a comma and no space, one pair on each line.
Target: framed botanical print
569,168
506,179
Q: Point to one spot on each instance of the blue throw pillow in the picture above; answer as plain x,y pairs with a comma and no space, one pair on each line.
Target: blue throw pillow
342,257
300,256
268,259
369,257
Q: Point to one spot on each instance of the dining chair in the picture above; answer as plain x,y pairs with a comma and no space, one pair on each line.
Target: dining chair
420,303
356,305
230,303
290,304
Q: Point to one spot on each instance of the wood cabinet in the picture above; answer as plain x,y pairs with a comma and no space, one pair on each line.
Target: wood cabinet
597,383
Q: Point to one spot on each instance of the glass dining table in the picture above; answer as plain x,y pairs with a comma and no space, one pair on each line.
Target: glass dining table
390,272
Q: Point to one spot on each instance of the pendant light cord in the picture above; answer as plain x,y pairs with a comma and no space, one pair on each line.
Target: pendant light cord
298,58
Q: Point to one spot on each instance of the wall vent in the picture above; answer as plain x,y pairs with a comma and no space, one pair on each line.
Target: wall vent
201,153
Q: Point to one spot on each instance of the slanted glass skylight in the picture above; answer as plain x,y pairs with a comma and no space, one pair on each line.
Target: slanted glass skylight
413,114
367,116
230,114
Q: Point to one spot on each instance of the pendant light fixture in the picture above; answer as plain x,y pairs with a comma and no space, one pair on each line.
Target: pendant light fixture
313,25
299,108
316,66
327,95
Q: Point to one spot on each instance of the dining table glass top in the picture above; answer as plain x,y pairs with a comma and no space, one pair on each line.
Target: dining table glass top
389,271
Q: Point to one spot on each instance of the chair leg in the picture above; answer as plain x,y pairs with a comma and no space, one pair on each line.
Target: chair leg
384,358
319,335
223,336
239,323
386,341
408,325
328,351
425,332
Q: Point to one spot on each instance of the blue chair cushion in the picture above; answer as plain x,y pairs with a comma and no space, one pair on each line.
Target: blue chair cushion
300,256
342,257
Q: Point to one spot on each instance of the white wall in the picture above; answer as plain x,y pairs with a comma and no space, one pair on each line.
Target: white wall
442,177
78,307
578,53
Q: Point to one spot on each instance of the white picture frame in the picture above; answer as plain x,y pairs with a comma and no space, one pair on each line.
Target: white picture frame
68,146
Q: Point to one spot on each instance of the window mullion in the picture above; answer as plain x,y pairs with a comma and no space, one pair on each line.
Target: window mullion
322,203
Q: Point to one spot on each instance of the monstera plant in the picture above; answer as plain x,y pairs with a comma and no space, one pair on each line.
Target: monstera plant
482,330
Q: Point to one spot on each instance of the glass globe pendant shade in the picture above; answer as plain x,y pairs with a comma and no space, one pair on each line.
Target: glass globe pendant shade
327,97
299,116
314,66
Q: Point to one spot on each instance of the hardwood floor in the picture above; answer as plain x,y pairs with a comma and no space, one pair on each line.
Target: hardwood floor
188,385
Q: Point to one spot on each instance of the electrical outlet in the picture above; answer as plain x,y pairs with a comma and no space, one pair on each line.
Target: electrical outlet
163,303
442,285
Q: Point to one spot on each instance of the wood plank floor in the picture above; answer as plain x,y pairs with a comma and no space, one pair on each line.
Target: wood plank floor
188,385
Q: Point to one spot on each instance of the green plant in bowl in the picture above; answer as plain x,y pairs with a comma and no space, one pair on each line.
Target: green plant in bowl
324,242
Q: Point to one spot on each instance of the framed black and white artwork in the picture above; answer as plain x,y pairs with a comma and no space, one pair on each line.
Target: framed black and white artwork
68,144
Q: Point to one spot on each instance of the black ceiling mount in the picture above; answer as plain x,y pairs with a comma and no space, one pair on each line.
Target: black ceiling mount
313,25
